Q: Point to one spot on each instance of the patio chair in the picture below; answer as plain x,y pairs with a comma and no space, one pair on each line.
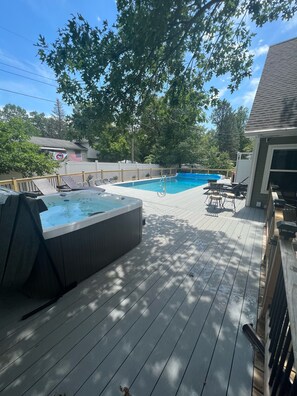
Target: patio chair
44,186
229,197
239,189
74,186
215,200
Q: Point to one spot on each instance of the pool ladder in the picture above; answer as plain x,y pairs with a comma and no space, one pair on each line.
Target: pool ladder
162,193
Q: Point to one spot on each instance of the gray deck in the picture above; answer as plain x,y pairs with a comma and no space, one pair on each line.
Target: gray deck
165,319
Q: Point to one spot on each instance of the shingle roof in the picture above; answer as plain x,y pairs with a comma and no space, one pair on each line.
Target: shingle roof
57,143
275,104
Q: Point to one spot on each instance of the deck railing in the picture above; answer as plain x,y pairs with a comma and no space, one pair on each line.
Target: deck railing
279,300
105,176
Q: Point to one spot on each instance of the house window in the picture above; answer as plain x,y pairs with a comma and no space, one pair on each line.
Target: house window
280,168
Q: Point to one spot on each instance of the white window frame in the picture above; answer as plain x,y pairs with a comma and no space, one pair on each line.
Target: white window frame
269,157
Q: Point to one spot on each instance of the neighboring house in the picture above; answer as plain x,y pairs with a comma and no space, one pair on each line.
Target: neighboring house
61,149
273,124
92,154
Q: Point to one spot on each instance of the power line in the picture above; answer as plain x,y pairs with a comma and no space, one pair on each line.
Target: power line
30,96
28,78
17,34
26,71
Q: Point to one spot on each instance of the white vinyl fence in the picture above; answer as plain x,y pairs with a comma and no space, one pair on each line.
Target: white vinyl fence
243,167
138,170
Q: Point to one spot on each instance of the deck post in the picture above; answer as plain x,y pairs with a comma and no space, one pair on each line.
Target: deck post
59,183
15,184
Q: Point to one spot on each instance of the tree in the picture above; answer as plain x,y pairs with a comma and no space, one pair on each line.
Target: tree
230,126
18,154
37,124
168,128
154,43
245,144
40,122
113,144
11,111
209,154
59,128
225,120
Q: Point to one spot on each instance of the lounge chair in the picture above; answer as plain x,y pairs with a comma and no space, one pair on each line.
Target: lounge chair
74,186
44,186
239,189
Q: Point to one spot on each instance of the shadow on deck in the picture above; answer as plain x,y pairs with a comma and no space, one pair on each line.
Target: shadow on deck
165,318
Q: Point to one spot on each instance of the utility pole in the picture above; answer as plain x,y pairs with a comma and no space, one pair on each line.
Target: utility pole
132,147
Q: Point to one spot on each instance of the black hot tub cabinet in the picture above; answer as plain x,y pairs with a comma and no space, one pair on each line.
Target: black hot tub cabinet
80,249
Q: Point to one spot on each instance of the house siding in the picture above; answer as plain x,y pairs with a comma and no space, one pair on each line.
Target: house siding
264,144
72,155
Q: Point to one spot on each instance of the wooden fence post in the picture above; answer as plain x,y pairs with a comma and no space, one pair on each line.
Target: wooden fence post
59,183
15,184
122,175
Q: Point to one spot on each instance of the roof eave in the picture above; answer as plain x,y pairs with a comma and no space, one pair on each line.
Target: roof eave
275,132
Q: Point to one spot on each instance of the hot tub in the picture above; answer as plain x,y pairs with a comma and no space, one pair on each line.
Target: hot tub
84,231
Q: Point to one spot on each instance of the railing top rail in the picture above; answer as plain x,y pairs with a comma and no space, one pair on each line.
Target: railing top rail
274,211
289,265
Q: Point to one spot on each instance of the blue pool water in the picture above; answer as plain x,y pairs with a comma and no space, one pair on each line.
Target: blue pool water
177,184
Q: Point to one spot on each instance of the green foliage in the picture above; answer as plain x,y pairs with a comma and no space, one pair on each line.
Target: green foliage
113,145
154,44
209,154
58,121
230,127
11,111
168,129
241,115
227,134
218,160
144,78
37,124
18,154
149,159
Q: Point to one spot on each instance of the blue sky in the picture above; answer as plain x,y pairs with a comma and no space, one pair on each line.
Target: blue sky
21,22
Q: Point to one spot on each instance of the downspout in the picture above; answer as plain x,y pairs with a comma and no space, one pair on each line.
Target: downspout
253,172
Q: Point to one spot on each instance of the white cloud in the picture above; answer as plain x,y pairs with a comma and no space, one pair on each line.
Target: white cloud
256,68
254,82
98,19
249,96
289,25
222,91
263,49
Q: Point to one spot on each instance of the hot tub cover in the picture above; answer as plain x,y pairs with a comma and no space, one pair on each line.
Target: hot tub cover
19,236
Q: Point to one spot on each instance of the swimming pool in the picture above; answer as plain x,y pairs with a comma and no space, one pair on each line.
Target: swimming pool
176,184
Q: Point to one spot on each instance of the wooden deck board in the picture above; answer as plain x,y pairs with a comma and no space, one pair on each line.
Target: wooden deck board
143,322
174,307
